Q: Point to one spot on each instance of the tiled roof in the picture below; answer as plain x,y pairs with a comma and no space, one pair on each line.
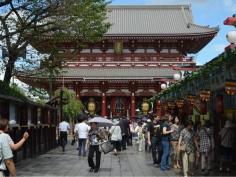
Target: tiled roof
118,73
154,20
107,73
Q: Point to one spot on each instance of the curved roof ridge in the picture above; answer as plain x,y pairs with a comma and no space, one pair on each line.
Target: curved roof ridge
186,6
205,27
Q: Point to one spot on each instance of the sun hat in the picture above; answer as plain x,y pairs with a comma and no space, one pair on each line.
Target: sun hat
115,122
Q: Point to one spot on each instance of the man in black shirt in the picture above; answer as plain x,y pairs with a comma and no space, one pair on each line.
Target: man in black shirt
154,140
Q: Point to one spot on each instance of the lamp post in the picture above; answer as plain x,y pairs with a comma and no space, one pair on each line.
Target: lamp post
177,77
231,36
163,86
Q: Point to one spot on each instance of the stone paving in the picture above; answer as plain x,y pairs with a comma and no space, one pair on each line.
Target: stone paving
57,163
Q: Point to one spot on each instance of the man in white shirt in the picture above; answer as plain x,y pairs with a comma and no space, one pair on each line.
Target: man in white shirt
6,156
82,129
64,128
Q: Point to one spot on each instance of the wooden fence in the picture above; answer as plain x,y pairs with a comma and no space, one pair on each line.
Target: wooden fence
40,121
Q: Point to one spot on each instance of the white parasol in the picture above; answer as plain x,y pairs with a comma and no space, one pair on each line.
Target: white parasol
102,122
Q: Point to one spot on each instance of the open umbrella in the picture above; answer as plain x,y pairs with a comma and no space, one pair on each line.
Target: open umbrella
82,117
102,122
144,119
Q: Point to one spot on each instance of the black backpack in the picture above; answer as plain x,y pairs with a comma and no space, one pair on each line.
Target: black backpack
159,133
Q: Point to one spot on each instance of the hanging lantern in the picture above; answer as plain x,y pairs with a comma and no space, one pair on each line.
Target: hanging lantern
191,99
171,105
230,88
163,86
230,21
118,47
179,103
231,37
177,76
205,95
164,106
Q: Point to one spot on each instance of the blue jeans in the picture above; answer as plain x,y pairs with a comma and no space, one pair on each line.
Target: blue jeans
165,156
82,144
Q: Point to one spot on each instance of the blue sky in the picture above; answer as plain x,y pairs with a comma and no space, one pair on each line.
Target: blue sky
205,12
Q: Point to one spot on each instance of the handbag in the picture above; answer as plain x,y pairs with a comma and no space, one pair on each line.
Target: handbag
106,146
209,139
182,147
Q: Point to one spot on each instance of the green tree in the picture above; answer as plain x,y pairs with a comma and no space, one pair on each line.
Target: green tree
73,107
22,21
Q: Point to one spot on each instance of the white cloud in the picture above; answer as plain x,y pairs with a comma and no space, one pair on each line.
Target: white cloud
230,5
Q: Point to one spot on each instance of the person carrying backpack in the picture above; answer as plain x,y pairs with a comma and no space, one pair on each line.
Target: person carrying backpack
227,137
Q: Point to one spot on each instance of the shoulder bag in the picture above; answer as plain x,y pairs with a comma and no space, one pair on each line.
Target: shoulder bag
209,137
182,146
107,146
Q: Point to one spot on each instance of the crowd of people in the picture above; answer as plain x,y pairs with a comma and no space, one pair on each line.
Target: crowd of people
187,146
172,144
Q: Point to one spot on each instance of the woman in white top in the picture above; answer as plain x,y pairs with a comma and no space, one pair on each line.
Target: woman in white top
139,131
116,135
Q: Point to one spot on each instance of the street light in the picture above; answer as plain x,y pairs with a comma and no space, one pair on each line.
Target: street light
231,37
177,76
163,86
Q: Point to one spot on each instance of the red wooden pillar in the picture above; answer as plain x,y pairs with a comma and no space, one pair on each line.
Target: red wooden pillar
104,105
77,88
113,105
133,104
158,108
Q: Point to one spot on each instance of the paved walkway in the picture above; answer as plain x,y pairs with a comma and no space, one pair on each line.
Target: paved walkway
128,163
57,163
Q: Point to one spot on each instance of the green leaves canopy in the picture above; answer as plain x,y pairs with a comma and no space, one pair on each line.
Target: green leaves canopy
197,77
22,21
74,106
